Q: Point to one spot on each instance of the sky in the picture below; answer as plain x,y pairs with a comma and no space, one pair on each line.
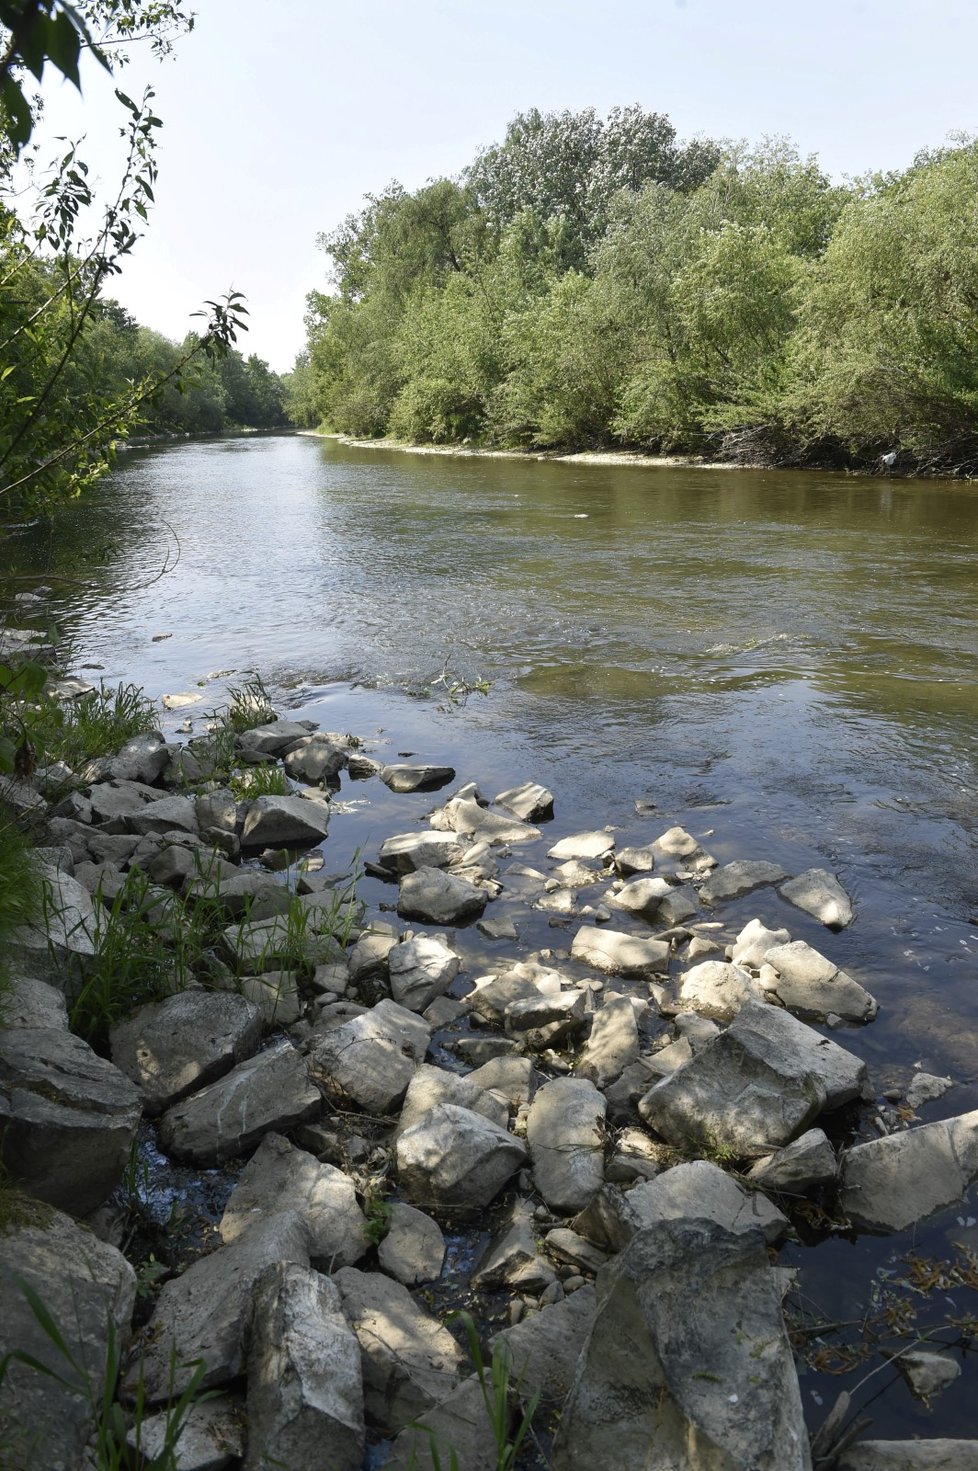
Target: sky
280,115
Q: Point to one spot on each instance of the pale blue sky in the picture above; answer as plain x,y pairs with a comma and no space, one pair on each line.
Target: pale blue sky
280,116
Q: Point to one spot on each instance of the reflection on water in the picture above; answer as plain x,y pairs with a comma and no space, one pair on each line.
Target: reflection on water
783,663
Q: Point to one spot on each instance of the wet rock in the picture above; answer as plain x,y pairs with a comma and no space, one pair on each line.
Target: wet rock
405,777
811,985
565,1135
915,1455
410,1362
677,843
466,815
281,1178
597,845
740,877
820,894
530,801
926,1088
289,821
694,1191
894,1182
316,759
797,1168
372,1058
205,1313
630,861
305,1386
612,1045
439,898
413,1250
718,990
546,1021
620,954
269,1092
407,852
682,1296
168,1048
455,1157
421,969
927,1372
86,1285
67,1117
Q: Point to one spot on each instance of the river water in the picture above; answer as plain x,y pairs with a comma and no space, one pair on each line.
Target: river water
783,663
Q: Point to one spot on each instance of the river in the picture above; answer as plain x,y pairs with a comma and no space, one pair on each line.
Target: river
784,663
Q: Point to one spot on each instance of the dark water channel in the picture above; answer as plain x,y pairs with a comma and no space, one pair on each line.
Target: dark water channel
785,664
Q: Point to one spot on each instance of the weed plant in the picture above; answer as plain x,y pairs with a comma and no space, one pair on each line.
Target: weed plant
97,724
110,1448
21,894
250,705
260,781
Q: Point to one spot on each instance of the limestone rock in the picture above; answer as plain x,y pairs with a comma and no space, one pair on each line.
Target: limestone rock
612,1045
66,933
798,1167
460,1428
410,1362
739,877
455,1157
169,1048
169,814
273,738
910,1455
372,1058
543,1350
316,759
212,1436
718,990
433,1085
205,1313
620,954
811,985
305,1386
143,758
85,1285
697,1191
583,845
33,1003
926,1088
819,893
67,1117
754,941
421,969
269,1092
894,1182
530,802
414,1248
405,777
685,1295
279,1177
409,851
289,821
565,1135
435,897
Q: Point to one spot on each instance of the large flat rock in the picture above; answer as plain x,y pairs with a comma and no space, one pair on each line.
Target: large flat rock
372,1058
456,1158
894,1182
170,1048
620,954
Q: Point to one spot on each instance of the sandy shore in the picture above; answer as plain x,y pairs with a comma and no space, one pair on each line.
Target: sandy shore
578,457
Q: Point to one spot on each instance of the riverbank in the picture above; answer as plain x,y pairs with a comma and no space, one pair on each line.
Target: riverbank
570,457
494,1069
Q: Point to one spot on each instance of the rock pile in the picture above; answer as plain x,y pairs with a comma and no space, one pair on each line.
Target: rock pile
580,1099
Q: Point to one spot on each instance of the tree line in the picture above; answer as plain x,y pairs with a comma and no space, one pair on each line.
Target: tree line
594,282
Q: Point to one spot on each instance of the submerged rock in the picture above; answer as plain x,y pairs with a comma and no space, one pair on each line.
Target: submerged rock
820,894
737,878
892,1183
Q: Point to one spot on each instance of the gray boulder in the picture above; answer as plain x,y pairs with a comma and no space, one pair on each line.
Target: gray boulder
418,777
168,815
529,801
66,933
273,738
513,1258
284,821
688,1355
797,1168
431,1086
599,845
410,1362
457,1432
455,1157
67,1117
811,985
543,1350
305,1385
409,851
421,969
316,759
910,1455
612,1045
440,898
279,1177
372,1058
469,816
740,877
565,1135
33,1003
413,1250
169,1048
819,893
269,1092
620,954
718,990
698,1191
894,1182
211,1439
144,758
85,1285
206,1312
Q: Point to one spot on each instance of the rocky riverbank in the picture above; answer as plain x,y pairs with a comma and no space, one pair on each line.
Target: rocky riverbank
594,1146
